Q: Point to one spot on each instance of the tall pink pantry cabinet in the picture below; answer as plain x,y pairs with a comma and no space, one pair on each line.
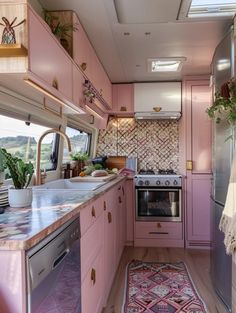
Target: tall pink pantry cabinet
195,148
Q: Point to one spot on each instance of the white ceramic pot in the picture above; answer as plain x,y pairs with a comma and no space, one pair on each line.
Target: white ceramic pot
19,198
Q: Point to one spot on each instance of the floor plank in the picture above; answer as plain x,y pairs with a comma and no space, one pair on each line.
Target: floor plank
197,261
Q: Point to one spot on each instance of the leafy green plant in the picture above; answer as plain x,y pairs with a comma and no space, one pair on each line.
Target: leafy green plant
3,164
59,29
21,172
79,156
224,105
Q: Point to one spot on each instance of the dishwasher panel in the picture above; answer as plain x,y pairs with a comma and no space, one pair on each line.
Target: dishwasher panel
54,283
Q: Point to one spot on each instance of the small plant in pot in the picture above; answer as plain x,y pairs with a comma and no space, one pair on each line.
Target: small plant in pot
78,160
21,174
3,166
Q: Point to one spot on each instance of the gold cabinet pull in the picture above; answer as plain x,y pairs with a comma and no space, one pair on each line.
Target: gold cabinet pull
123,191
93,212
83,66
157,109
55,83
93,276
189,165
119,188
104,205
120,201
158,225
109,217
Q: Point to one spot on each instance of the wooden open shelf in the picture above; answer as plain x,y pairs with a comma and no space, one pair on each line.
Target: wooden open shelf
12,50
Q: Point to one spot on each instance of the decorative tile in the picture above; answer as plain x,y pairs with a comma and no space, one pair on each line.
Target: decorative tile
154,143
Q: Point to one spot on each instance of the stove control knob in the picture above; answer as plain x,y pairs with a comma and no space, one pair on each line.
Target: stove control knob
140,182
175,182
167,182
147,182
158,182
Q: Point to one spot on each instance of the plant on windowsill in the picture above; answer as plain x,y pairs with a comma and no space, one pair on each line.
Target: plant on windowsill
21,174
78,161
224,105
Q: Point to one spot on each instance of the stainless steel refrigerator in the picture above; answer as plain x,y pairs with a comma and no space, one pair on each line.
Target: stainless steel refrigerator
221,264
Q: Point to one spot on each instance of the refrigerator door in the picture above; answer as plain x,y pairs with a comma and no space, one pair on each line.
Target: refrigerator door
221,264
223,70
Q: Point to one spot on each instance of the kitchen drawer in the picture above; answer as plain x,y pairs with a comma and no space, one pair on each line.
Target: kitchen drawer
90,214
160,230
92,287
91,244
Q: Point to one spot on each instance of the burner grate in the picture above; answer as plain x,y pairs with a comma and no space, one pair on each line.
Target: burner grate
166,172
146,172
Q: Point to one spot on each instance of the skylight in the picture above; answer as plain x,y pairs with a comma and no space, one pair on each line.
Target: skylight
212,8
165,64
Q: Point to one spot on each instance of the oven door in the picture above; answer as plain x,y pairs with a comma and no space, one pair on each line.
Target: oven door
158,204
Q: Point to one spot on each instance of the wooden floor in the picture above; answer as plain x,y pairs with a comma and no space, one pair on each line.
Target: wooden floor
197,261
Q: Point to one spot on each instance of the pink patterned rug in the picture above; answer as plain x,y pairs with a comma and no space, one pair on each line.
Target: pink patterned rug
160,288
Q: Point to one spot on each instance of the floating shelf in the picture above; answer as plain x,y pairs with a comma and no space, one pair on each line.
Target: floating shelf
12,50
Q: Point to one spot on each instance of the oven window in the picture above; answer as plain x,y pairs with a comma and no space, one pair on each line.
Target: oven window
161,204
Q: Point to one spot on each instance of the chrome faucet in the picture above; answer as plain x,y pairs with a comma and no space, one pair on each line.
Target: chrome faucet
38,156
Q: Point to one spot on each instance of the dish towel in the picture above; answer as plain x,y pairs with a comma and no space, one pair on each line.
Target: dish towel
228,219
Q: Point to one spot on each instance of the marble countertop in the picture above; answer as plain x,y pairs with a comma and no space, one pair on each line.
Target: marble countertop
22,228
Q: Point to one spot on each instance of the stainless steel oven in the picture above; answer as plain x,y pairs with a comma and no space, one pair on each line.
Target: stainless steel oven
158,198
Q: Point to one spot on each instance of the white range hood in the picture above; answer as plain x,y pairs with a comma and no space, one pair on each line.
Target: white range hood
160,100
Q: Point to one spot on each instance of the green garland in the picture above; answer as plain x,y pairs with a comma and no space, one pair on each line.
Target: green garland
225,103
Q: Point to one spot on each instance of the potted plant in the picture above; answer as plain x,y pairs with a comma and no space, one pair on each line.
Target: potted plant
3,166
78,160
60,30
21,174
224,105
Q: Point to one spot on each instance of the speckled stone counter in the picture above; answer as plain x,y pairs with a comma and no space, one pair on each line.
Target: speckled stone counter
22,228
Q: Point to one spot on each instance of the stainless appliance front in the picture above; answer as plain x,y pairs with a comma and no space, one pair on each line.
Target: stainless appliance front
53,272
158,204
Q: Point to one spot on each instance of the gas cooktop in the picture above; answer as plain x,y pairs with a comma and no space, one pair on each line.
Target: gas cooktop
158,172
163,178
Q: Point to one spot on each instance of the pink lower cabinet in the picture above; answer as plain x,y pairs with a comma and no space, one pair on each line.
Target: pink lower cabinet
110,237
159,234
198,213
12,282
93,286
120,222
129,211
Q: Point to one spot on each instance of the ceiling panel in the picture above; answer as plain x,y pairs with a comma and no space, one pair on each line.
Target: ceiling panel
143,11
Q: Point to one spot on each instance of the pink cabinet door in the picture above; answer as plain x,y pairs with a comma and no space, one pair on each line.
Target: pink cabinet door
78,81
129,211
198,150
120,222
109,239
47,59
123,97
199,217
92,287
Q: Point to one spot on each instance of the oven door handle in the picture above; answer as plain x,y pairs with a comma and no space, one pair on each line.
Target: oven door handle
159,189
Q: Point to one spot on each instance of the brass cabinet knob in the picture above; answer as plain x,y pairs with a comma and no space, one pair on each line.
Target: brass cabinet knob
158,225
109,217
93,212
93,276
104,205
83,66
157,109
120,201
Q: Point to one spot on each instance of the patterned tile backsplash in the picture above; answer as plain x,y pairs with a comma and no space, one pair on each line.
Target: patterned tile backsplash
154,143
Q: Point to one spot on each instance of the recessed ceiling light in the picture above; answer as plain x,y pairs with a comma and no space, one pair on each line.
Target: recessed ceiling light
137,65
126,33
165,64
207,8
147,33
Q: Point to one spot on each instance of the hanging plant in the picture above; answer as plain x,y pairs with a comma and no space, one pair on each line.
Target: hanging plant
224,105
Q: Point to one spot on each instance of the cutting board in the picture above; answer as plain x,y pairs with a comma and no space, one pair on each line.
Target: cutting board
94,179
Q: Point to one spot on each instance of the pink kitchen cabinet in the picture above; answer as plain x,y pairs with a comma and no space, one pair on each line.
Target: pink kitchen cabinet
47,58
123,98
78,81
120,222
85,56
197,97
129,211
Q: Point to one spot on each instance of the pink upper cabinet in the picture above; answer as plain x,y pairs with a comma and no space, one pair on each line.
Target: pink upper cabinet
123,98
47,59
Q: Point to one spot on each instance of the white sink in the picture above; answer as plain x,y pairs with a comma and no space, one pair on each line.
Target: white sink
62,184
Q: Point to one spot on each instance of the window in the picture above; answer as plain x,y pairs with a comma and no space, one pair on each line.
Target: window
20,139
80,142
